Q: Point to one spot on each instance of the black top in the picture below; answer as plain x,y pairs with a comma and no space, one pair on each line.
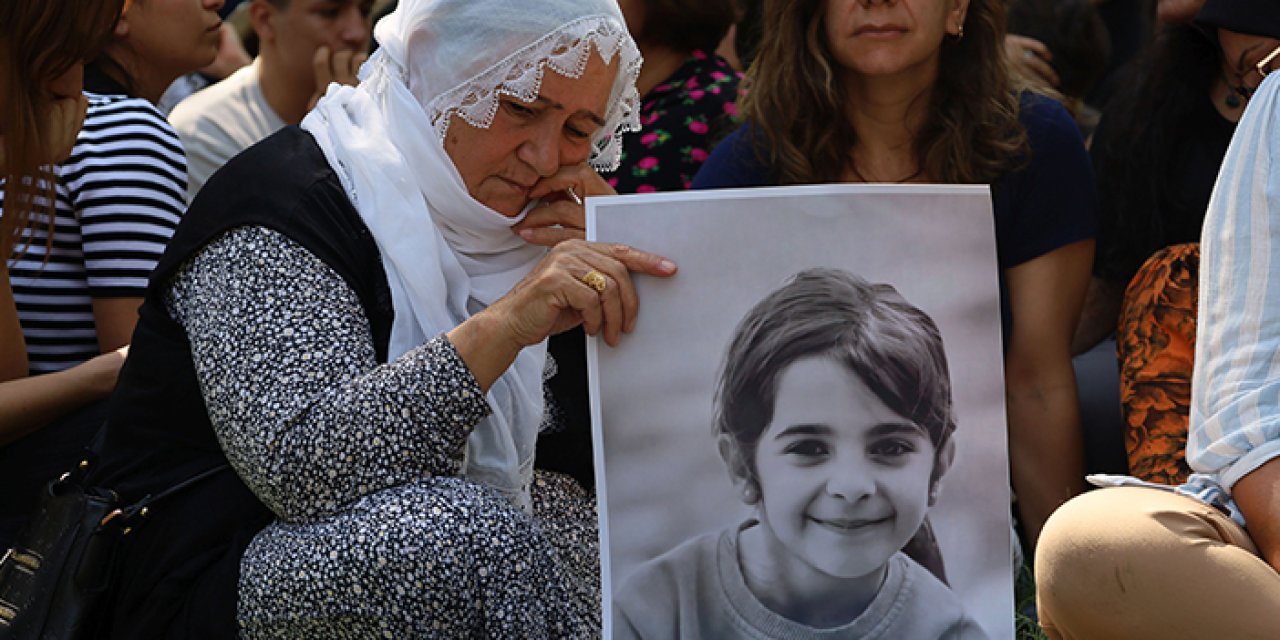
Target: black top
1165,198
180,571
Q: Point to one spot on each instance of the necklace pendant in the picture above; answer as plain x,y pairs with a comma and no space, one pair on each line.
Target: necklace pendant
1233,101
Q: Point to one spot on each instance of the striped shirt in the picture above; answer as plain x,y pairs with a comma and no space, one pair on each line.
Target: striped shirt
1235,390
119,198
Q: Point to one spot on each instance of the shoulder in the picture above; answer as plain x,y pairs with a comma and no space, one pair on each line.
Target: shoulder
665,574
932,608
1050,128
121,120
215,103
1051,199
737,162
671,587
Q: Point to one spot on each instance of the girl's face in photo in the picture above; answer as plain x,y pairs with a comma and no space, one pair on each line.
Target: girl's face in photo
844,480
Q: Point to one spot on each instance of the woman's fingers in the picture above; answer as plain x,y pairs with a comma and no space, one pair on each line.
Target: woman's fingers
553,223
618,261
581,178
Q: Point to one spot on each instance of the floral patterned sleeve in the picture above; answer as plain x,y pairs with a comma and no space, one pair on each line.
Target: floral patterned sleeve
285,360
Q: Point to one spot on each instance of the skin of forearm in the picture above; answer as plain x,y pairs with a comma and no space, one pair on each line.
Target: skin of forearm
1099,316
28,404
1258,496
485,346
1045,450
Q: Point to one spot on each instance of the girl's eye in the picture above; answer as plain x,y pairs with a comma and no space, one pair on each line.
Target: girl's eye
892,448
807,449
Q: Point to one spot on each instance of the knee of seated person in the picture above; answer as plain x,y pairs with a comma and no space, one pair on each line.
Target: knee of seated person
1084,534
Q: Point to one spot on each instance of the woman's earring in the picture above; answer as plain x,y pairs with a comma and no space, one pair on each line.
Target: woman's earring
933,494
750,493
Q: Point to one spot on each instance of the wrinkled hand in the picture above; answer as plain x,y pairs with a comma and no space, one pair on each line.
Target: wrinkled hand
553,298
342,67
559,217
1031,58
231,54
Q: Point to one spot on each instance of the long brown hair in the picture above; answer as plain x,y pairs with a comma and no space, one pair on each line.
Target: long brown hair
39,41
797,103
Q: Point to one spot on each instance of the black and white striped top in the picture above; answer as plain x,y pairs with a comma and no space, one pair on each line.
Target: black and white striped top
119,198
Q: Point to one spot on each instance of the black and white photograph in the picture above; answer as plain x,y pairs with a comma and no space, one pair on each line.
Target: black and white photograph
805,434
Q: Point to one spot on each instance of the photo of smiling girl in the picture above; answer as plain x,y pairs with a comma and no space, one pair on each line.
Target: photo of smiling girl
834,419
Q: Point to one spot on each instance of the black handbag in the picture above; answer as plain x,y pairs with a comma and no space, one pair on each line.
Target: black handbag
62,563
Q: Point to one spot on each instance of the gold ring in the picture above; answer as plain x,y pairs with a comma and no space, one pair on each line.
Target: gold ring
595,280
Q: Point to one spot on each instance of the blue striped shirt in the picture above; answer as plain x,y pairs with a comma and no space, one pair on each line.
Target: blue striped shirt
1235,390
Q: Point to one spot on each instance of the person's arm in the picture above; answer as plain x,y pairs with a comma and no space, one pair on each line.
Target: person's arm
114,320
286,363
13,345
27,404
1258,496
292,385
1099,316
1234,428
1045,442
128,198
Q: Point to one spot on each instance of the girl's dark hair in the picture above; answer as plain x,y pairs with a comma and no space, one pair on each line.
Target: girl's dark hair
41,40
685,25
796,100
889,343
1141,144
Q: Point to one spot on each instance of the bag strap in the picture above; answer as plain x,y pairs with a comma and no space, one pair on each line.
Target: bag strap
124,518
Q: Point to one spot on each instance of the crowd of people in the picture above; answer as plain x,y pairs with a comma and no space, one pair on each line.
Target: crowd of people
354,267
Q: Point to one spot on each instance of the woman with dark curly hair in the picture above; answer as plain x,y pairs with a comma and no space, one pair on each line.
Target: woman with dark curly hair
918,91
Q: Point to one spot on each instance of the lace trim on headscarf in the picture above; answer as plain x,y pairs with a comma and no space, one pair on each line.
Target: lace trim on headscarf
567,51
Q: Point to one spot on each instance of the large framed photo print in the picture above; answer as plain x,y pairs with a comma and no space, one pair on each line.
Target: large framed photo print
805,434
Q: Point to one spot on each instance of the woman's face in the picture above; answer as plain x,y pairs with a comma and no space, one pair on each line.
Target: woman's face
62,108
844,480
890,37
175,36
529,141
1240,55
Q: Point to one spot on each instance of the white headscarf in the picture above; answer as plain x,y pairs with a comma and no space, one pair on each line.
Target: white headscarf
446,255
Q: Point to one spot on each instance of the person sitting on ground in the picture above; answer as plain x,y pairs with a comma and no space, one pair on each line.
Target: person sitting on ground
353,314
303,45
43,46
919,92
1201,560
78,278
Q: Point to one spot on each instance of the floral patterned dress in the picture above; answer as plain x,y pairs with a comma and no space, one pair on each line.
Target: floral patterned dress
1156,347
682,118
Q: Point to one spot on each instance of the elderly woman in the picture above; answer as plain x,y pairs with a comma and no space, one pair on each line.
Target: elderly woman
354,313
917,91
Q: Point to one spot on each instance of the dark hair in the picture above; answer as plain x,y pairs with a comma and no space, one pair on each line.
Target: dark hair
41,40
1075,35
795,98
685,25
746,39
889,343
1140,145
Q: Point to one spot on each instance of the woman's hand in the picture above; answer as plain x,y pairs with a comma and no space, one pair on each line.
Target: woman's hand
341,66
1031,58
555,297
561,217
